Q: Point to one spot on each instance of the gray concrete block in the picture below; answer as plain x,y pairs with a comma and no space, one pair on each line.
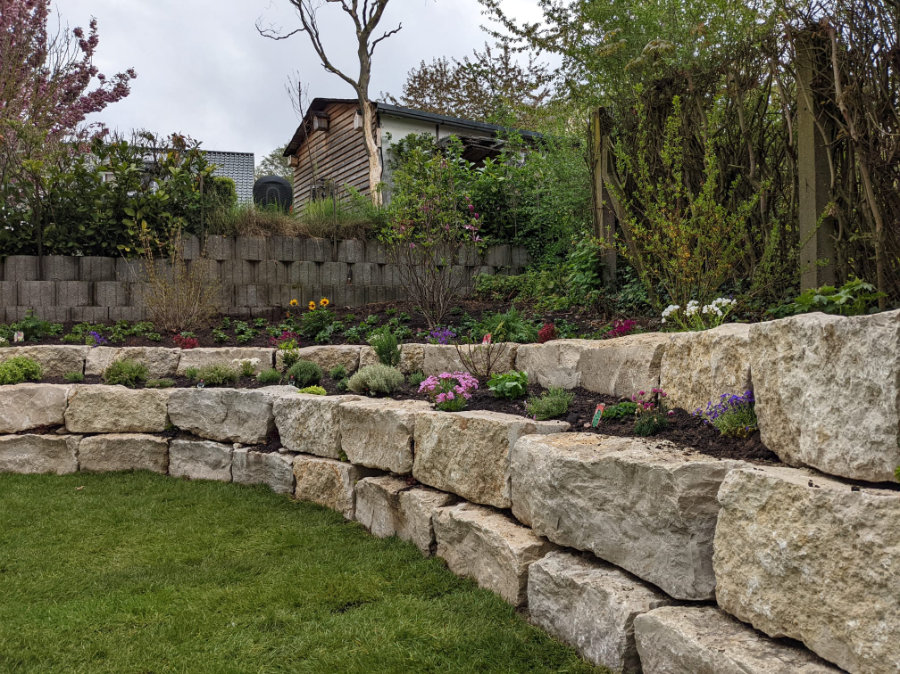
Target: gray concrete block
376,252
519,257
110,293
50,313
137,293
219,247
351,250
280,296
73,293
269,313
334,273
498,256
250,295
468,256
130,270
274,272
190,248
355,296
250,248
8,293
21,268
238,312
36,294
209,270
376,294
390,275
132,314
486,270
280,248
96,268
59,268
304,273
365,274
315,250
334,293
89,314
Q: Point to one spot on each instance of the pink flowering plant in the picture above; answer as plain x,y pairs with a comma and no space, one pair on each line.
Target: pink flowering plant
652,415
449,391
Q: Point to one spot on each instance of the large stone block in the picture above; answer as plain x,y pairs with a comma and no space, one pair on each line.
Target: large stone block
73,293
27,406
590,605
808,557
326,357
95,268
488,546
124,451
116,409
310,424
467,453
698,367
351,250
412,357
704,640
379,433
619,367
55,361
200,460
225,415
21,268
39,454
111,293
439,358
89,314
644,505
268,468
828,392
160,362
327,482
261,358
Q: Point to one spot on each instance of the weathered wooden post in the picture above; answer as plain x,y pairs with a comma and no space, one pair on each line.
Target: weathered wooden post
814,136
603,215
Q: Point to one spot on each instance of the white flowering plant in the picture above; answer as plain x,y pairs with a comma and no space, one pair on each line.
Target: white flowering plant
696,317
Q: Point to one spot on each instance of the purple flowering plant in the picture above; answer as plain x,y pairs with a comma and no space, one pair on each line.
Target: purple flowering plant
733,415
449,391
441,336
96,338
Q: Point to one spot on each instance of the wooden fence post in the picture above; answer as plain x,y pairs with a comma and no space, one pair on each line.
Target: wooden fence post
603,215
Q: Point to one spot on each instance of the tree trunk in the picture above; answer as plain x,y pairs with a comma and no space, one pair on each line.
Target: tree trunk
369,131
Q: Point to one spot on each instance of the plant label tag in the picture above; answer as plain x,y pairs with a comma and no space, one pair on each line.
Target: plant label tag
598,414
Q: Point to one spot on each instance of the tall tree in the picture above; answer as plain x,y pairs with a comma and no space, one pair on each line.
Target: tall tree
365,17
275,164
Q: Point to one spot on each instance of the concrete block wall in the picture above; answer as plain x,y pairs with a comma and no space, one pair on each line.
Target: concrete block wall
258,277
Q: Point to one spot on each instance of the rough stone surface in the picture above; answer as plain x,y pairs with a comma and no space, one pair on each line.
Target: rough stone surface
488,546
439,358
27,406
124,451
224,415
698,367
704,640
160,362
327,482
97,408
618,367
310,423
231,356
55,361
200,460
412,357
590,605
643,505
39,454
269,468
467,453
804,556
828,392
379,433
326,357
388,506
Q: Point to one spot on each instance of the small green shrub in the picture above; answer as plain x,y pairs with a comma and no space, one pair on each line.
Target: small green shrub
621,410
386,347
338,372
74,377
165,382
19,369
416,378
289,357
511,326
247,368
552,403
509,385
652,412
217,374
268,376
314,390
378,379
342,384
318,323
191,372
304,373
126,372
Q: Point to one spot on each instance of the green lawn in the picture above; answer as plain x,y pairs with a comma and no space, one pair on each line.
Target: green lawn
143,573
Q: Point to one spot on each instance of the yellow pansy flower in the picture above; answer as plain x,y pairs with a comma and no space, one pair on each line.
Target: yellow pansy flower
294,303
323,302
312,305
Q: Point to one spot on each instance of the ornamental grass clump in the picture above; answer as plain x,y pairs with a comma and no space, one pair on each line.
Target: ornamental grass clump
377,379
268,376
449,391
552,403
733,416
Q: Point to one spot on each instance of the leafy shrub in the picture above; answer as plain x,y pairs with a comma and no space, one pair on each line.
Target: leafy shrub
314,390
510,326
165,382
31,327
338,372
854,298
386,347
217,374
248,366
74,377
621,410
191,372
449,391
734,415
304,373
510,385
319,323
19,369
652,414
378,379
268,376
185,340
126,372
416,378
552,403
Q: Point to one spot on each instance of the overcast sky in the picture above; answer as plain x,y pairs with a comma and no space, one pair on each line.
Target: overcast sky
203,69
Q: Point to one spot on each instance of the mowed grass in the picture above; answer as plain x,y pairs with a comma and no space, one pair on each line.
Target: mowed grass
143,573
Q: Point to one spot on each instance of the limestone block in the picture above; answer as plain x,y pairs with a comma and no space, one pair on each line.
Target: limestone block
412,357
704,640
698,367
327,482
488,546
591,606
27,406
807,557
439,358
161,362
116,409
326,357
828,392
124,451
379,433
619,367
39,454
224,415
55,361
269,468
467,453
310,423
641,504
262,358
200,460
